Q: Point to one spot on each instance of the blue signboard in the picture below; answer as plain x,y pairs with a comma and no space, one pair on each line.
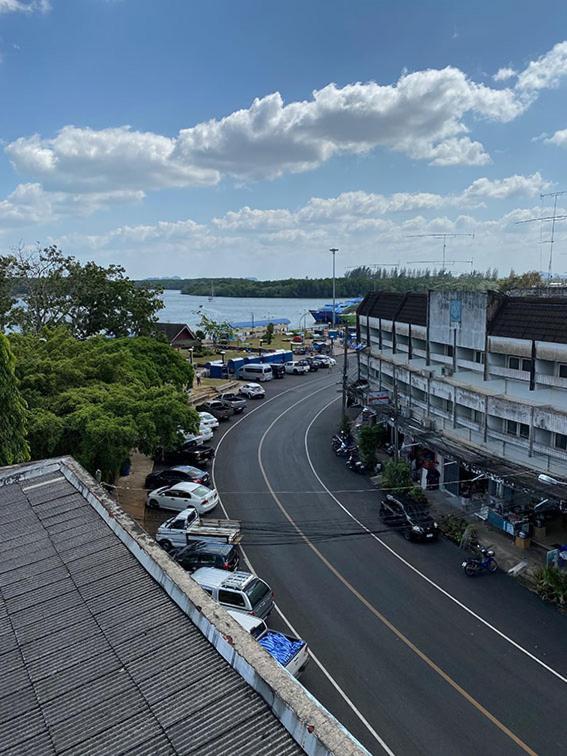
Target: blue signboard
455,311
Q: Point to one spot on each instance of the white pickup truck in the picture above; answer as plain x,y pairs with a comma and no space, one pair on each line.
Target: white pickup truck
292,653
188,526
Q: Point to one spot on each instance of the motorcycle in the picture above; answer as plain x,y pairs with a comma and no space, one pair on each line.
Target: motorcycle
355,464
485,562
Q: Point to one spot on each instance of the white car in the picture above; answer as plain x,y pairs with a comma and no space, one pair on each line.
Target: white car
252,391
294,368
325,358
183,495
209,420
205,434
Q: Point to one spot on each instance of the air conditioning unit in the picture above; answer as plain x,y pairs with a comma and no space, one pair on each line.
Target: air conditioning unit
447,371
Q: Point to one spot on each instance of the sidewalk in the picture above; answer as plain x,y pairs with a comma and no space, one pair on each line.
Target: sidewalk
507,554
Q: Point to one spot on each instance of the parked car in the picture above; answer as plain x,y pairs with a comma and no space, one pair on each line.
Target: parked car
209,420
411,518
313,364
216,407
205,434
190,452
255,371
252,391
173,475
278,370
238,403
289,651
239,591
327,359
294,368
183,495
222,556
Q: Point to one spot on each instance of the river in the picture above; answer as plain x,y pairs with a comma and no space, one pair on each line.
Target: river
186,308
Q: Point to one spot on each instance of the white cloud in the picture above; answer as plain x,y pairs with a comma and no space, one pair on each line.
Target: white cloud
504,74
507,188
85,160
546,72
559,139
30,204
25,6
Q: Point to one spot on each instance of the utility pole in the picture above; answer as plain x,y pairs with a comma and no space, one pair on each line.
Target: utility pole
334,250
396,418
553,218
444,237
345,365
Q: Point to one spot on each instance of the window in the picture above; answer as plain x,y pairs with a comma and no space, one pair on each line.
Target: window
563,371
178,525
479,357
518,363
449,350
561,441
517,429
229,597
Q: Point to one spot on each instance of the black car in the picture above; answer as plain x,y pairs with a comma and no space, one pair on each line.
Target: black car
223,556
278,370
411,518
190,453
174,475
314,365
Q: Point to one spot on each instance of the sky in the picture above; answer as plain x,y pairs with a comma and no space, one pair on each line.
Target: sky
247,137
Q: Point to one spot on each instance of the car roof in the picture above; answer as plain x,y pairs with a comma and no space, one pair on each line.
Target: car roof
252,385
187,469
186,486
213,547
246,621
220,579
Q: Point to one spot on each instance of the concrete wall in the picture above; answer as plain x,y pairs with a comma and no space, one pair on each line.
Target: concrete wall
471,331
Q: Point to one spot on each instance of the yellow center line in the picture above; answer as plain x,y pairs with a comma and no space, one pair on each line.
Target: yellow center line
398,633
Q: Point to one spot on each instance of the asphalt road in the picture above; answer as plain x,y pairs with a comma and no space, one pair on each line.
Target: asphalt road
412,656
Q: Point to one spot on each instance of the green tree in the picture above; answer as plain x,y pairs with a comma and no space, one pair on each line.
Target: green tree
216,331
86,298
269,333
396,476
13,445
98,398
370,438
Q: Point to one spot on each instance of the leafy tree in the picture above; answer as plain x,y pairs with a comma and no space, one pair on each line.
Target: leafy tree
396,476
269,333
13,445
6,289
88,299
529,280
216,331
370,438
98,398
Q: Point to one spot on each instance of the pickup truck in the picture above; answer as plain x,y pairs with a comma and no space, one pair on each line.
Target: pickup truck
188,526
291,652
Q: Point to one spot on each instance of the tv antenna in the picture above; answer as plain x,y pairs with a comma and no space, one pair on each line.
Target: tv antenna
553,218
444,237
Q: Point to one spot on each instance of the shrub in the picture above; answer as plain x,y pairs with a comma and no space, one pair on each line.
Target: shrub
369,439
396,477
453,527
551,585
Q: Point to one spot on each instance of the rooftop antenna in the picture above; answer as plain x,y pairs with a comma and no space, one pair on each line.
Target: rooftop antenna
445,262
553,218
444,237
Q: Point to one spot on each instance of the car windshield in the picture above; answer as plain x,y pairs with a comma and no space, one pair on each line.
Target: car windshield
200,491
256,590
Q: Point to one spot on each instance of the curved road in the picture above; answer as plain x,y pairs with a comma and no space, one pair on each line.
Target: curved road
412,656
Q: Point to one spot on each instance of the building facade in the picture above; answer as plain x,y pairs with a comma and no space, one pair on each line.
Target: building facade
481,378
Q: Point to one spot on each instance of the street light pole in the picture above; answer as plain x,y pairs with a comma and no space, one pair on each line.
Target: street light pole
334,250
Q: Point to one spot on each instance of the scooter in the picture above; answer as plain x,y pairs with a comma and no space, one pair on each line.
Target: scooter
355,464
483,563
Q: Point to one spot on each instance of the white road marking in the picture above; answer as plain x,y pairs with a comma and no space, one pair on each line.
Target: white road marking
319,664
410,566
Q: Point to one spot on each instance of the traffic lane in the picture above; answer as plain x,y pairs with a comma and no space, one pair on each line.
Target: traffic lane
499,599
363,657
522,697
303,586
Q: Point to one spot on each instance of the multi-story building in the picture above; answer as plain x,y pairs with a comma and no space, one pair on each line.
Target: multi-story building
480,379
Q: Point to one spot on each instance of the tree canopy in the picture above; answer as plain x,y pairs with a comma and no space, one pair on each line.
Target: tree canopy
96,399
13,412
87,298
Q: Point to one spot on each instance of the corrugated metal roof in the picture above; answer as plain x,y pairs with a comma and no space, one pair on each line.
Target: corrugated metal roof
94,655
532,318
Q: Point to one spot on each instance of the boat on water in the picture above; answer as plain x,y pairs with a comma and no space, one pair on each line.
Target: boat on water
325,314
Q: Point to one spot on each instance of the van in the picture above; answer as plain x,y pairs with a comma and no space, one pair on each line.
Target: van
255,371
239,591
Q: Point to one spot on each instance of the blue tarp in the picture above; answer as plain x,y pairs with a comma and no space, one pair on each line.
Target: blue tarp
282,648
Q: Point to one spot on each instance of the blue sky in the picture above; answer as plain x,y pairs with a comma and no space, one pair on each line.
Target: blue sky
248,136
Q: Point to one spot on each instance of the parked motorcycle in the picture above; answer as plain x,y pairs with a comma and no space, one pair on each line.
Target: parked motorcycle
355,464
485,562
